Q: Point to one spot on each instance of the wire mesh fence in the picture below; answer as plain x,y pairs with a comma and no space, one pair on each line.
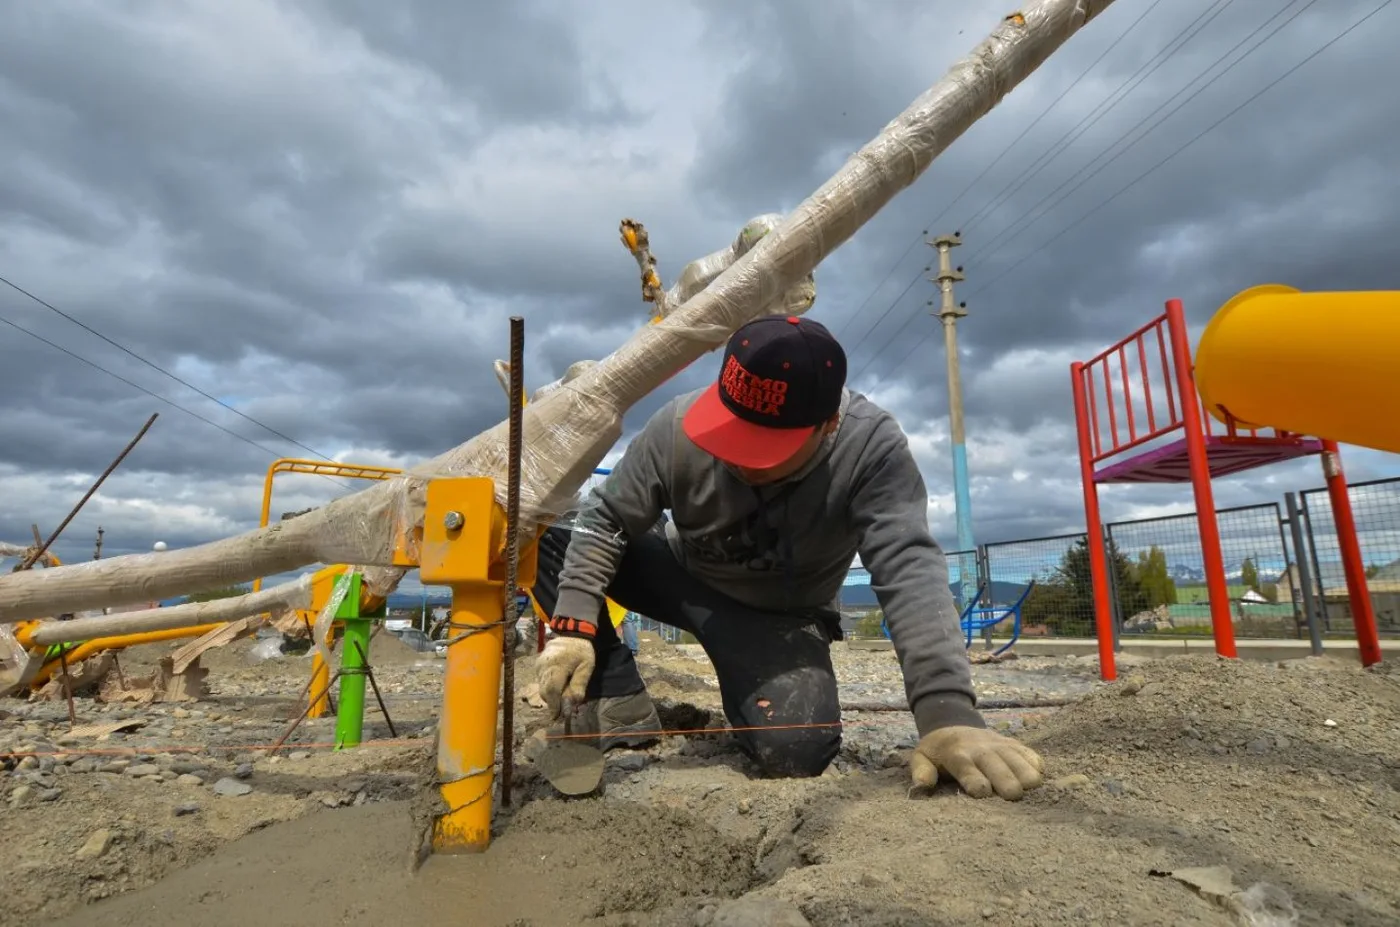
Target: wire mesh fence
664,631
1062,602
1160,580
1157,576
1375,507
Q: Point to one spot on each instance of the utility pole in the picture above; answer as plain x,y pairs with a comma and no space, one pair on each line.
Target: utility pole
948,313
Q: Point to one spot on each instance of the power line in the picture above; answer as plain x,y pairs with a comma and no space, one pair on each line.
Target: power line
151,393
1104,107
88,328
1139,178
997,243
984,252
965,190
1135,181
1170,49
1045,112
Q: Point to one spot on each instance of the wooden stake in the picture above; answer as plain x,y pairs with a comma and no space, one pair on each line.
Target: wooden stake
30,560
67,685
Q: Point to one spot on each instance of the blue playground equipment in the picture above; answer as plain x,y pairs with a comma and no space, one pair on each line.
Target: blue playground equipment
975,618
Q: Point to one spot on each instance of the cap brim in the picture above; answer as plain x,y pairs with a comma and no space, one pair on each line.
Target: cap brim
717,431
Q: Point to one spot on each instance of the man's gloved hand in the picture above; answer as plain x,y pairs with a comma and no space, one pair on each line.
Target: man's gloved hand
982,761
563,669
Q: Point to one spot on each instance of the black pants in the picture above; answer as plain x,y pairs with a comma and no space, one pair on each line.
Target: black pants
775,673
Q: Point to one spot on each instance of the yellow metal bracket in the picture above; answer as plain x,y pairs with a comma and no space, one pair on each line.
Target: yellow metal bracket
462,544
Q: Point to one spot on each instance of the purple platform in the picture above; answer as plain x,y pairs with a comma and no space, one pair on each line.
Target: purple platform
1170,463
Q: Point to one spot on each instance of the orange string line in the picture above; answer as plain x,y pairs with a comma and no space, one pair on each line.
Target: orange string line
404,741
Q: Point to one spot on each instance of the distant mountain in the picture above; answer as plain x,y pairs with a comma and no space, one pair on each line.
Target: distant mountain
1185,575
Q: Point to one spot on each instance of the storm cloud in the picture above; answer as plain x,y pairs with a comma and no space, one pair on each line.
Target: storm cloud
322,215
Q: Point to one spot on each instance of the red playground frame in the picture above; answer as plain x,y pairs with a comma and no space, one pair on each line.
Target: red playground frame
1122,420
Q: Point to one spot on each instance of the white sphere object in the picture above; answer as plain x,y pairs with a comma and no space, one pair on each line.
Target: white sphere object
160,545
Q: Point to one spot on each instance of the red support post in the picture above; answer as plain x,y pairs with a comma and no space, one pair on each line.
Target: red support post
1098,558
1363,616
1214,561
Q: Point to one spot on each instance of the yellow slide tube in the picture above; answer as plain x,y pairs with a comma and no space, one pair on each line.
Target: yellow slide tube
1319,364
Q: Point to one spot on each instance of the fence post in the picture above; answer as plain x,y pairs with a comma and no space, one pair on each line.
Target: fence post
984,580
1114,599
1283,545
1303,573
1323,611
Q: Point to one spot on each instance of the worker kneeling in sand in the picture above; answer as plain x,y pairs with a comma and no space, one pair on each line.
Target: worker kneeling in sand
775,477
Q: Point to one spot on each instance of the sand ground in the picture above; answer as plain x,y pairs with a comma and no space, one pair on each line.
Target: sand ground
1287,774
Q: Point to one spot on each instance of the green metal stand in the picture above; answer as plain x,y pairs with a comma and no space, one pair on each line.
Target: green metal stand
354,655
354,670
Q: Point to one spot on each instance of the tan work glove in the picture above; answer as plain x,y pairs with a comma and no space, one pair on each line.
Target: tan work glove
563,669
982,761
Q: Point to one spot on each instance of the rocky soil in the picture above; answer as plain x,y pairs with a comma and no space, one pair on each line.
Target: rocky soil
1287,775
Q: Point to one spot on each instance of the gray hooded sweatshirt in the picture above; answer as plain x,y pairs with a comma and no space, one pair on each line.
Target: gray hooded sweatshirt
787,547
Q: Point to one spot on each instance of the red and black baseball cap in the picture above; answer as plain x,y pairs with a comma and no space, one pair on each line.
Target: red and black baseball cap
781,378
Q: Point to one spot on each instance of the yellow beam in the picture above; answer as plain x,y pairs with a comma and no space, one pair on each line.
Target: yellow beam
319,468
118,642
1320,364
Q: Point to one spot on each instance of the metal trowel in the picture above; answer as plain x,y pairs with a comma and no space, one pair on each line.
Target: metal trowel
571,766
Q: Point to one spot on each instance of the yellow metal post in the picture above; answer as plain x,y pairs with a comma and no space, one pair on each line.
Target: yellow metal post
322,587
463,537
319,693
1310,363
467,737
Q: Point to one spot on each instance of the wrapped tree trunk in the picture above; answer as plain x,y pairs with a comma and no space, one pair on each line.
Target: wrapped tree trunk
281,598
567,431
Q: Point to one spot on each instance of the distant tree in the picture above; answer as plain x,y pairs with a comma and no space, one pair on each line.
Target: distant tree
1249,575
1154,578
868,627
1064,600
1372,570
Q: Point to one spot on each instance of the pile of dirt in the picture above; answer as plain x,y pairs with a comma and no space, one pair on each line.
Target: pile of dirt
387,650
1314,716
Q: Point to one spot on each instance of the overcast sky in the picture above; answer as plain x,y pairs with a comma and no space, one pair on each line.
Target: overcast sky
323,213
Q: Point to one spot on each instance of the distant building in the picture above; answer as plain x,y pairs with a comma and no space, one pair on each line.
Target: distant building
1383,585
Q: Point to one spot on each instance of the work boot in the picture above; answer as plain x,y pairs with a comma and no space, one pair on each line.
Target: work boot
622,721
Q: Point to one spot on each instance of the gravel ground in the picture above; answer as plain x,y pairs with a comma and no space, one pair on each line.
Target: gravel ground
1288,775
